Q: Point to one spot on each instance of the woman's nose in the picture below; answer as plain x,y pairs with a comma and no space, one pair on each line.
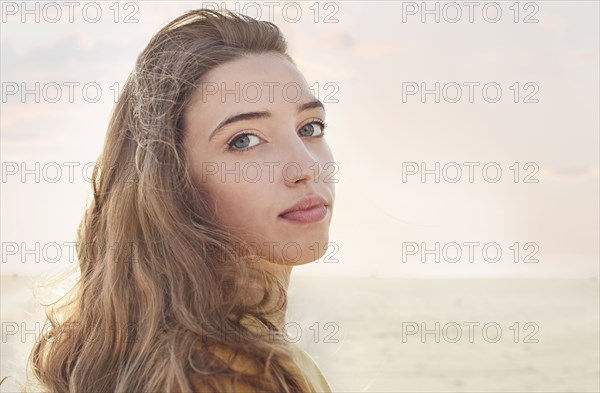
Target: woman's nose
301,166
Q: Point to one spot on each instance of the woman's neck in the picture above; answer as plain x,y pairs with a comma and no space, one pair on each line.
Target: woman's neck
282,273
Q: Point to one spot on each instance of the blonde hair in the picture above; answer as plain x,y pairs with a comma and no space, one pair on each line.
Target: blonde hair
161,283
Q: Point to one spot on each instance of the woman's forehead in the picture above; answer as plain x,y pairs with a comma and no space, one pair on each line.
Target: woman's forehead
259,83
250,79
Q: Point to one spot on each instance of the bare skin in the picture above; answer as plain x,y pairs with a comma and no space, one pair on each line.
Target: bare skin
288,158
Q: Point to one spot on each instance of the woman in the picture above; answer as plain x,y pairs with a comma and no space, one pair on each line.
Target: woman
204,199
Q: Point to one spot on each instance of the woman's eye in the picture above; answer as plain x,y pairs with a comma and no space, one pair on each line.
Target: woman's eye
314,126
242,141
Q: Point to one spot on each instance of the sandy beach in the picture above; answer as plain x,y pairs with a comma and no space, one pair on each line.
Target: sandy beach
412,335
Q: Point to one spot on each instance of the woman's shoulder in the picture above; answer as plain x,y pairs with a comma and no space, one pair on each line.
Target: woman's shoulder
220,383
218,355
311,369
225,382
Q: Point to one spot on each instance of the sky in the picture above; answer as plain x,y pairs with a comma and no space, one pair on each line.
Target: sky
513,136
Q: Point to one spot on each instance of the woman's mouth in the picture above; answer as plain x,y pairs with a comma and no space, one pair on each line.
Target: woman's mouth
314,214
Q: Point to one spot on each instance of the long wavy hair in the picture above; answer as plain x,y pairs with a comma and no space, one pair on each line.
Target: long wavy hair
161,284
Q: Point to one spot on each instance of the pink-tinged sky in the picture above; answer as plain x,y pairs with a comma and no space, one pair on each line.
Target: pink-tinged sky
368,56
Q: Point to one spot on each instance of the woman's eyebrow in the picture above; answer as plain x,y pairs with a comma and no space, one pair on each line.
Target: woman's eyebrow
260,115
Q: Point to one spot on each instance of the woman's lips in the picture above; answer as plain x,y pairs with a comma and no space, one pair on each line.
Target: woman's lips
313,214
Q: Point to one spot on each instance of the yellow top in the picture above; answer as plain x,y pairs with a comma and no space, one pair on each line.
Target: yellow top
311,371
303,360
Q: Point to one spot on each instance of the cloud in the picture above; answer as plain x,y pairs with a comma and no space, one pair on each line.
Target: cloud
506,57
582,57
63,57
379,48
553,22
569,173
344,42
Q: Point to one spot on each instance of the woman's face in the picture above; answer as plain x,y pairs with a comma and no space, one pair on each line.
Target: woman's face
261,165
